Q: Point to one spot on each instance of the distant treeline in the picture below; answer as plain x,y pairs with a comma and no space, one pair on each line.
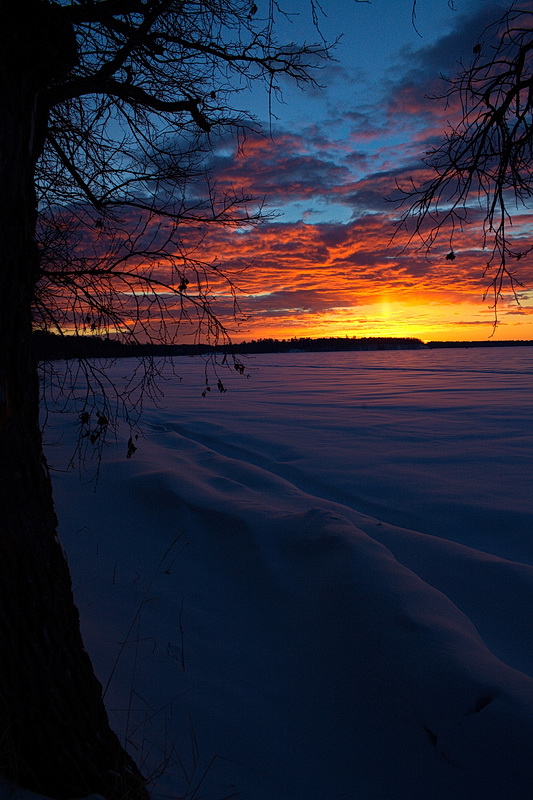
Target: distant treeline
326,344
49,346
484,343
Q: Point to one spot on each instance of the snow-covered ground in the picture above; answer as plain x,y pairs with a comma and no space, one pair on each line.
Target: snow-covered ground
318,585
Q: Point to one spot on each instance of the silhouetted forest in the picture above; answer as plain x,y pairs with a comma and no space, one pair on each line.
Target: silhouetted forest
49,346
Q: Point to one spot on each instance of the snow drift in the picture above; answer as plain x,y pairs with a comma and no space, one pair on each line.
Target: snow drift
319,584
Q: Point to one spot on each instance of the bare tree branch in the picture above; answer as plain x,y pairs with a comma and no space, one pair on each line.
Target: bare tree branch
125,196
485,163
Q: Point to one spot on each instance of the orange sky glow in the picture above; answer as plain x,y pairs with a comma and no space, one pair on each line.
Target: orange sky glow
300,280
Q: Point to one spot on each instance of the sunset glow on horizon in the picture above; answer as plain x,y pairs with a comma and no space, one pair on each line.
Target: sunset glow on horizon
300,279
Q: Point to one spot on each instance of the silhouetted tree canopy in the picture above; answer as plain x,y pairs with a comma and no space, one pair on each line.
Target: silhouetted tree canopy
125,195
484,164
109,111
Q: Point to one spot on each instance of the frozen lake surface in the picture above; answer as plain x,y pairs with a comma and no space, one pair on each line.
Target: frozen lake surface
317,584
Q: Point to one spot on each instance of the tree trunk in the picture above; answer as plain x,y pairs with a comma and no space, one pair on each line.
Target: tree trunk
54,732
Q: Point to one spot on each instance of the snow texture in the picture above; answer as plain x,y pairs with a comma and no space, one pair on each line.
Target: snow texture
317,585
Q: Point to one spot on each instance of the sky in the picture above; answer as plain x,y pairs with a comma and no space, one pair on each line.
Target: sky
327,166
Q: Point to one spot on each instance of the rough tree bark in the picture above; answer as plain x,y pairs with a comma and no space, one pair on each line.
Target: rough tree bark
54,732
